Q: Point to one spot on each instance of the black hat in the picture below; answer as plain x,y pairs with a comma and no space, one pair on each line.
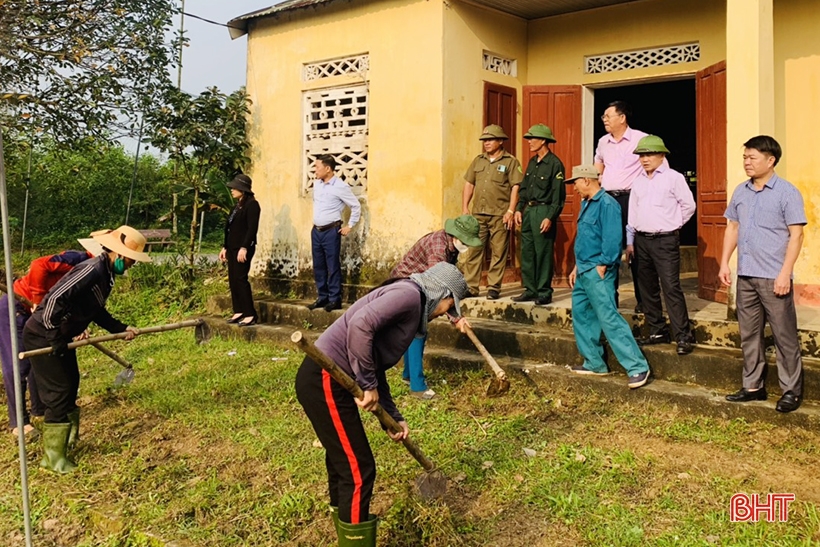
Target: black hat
241,183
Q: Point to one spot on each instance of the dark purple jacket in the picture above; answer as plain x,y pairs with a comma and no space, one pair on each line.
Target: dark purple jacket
373,334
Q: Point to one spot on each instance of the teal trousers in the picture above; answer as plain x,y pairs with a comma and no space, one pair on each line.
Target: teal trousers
593,312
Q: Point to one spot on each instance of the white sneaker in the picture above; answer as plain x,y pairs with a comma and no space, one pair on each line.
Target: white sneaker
424,395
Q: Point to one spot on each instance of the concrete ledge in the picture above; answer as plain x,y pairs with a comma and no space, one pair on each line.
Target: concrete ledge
550,379
711,367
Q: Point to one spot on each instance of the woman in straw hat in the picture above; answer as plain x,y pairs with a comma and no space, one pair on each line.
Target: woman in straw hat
43,273
65,312
239,247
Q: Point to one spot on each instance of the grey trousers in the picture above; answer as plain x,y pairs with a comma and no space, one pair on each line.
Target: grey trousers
756,302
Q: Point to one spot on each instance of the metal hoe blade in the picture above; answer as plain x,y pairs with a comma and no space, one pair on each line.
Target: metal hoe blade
125,377
431,485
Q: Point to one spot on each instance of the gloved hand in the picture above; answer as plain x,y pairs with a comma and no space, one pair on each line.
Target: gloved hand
59,347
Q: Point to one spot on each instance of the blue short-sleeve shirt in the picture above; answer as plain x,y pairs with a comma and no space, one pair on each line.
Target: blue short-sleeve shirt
764,218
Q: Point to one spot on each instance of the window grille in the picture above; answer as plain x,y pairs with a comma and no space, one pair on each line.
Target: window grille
336,124
644,58
501,65
356,65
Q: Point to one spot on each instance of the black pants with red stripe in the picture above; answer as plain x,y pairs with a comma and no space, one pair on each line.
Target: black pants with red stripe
351,468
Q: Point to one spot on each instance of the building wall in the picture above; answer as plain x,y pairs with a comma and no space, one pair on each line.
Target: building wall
559,44
468,32
404,195
797,109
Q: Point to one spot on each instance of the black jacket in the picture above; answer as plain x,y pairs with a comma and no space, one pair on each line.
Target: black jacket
75,301
240,230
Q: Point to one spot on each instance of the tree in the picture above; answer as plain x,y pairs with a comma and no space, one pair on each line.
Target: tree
207,138
75,69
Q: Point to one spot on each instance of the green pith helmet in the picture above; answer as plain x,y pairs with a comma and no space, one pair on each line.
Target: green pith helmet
651,144
540,131
465,228
493,132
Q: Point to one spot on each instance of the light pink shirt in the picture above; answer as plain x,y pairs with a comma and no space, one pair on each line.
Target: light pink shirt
621,166
663,203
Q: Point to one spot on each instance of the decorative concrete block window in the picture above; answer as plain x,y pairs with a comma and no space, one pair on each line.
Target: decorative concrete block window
499,64
355,65
642,58
336,123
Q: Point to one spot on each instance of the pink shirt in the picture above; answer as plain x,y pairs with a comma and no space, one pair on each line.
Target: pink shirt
621,166
663,203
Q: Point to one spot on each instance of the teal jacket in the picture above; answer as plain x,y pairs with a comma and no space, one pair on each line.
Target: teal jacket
599,240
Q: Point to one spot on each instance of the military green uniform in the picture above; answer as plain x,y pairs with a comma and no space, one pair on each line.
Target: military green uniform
494,182
542,195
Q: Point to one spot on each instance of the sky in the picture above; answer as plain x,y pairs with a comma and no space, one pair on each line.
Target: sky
212,58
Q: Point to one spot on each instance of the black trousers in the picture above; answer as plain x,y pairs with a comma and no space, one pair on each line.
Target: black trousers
351,468
659,270
58,377
241,295
623,201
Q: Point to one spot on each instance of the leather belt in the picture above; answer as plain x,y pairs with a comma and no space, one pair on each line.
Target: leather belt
654,235
326,227
616,193
534,203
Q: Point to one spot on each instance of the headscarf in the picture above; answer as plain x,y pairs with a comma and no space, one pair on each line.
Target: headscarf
441,281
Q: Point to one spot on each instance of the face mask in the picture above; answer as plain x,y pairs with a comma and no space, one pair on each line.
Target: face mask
119,266
460,247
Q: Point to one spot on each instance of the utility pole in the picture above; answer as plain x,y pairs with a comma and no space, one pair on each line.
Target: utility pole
179,86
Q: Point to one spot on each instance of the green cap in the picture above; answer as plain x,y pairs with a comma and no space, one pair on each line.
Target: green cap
651,144
540,131
583,172
493,132
465,228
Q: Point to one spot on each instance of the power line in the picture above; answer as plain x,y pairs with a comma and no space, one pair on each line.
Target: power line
206,20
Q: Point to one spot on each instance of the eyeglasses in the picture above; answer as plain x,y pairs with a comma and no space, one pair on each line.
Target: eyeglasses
606,117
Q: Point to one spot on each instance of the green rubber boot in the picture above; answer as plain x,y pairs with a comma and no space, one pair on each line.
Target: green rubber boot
358,535
55,441
74,434
334,514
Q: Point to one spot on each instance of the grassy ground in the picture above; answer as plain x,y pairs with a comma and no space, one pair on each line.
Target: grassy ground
209,447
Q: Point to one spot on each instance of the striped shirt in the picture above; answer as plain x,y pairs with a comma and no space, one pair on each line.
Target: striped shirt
663,203
764,217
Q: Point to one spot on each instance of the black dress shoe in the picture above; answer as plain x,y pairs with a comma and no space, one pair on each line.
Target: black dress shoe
235,319
543,300
320,303
788,402
524,297
492,294
685,347
334,306
247,323
744,396
653,339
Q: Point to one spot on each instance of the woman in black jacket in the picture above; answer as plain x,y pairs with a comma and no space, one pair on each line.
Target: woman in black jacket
239,247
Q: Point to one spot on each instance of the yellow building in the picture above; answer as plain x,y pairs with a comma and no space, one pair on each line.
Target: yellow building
399,90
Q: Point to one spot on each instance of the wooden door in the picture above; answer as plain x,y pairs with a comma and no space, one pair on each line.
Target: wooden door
500,108
711,189
559,107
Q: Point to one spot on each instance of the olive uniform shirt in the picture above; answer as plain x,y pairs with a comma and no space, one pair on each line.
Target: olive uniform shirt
544,184
494,181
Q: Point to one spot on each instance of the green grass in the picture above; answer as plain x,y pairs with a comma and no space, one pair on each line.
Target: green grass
211,446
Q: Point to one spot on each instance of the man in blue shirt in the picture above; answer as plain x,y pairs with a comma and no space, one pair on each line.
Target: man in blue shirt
765,224
330,195
598,244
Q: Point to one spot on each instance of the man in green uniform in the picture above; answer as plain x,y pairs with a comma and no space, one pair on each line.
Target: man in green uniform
540,202
492,185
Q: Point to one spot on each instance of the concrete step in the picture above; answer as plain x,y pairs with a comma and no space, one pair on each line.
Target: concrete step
708,329
709,367
551,380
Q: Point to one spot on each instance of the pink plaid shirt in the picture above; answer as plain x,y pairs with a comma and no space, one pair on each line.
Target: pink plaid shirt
621,166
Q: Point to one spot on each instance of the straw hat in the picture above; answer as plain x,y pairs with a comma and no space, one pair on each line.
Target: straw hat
91,246
124,241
